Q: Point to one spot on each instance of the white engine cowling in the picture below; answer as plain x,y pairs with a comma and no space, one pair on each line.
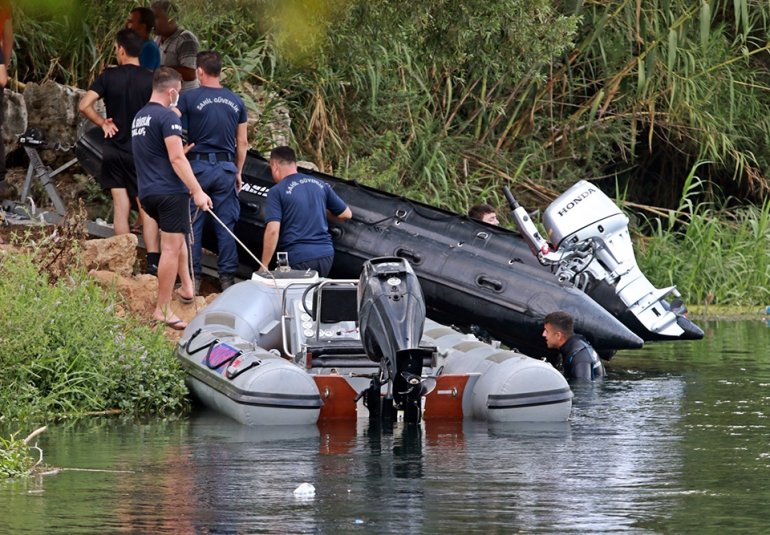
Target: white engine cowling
590,237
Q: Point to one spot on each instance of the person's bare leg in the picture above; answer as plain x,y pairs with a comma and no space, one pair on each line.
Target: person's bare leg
122,208
171,244
150,231
186,288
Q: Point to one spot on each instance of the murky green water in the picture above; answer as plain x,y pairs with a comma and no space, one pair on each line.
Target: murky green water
675,441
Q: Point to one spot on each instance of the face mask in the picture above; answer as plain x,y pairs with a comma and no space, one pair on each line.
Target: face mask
174,102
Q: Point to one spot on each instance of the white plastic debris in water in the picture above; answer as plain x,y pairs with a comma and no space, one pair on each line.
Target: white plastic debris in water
305,490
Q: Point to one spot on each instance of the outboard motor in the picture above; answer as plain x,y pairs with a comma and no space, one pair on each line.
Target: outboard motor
391,315
590,247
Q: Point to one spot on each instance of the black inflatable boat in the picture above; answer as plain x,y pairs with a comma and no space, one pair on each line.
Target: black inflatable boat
475,276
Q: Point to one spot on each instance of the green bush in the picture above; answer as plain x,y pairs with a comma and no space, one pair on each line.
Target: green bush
65,349
713,253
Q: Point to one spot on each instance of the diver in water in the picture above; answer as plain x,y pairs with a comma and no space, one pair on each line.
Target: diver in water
579,360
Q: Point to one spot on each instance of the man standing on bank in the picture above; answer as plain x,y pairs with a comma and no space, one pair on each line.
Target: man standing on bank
178,47
579,360
216,129
296,215
125,89
166,183
142,21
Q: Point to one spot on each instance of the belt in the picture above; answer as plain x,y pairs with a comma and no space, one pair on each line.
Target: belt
211,156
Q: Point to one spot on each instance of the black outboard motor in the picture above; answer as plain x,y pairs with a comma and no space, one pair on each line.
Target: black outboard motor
391,315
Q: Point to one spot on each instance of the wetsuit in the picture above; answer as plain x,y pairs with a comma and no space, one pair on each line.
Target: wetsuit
579,359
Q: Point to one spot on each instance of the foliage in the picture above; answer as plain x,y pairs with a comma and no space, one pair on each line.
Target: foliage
712,254
445,101
419,93
653,87
15,458
66,40
66,349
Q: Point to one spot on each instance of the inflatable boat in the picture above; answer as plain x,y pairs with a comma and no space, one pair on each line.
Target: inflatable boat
487,279
289,348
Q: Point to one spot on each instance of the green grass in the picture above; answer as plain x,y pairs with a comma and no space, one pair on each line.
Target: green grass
65,348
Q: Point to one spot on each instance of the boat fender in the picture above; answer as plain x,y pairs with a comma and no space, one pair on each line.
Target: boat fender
240,364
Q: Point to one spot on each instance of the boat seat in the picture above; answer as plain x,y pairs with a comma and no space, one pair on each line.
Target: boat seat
333,303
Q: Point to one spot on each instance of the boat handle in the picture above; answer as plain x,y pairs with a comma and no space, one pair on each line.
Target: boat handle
191,351
492,284
412,256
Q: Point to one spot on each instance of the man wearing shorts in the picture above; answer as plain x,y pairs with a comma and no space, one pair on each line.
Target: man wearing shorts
166,183
125,89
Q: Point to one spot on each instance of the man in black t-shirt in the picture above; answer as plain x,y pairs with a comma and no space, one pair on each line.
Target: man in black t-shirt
125,90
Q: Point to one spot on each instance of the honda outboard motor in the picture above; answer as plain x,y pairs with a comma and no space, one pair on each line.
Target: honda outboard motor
592,250
391,315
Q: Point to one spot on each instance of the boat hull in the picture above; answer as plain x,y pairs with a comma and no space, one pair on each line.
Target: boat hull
256,355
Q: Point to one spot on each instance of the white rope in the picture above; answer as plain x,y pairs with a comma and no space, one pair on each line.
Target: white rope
239,242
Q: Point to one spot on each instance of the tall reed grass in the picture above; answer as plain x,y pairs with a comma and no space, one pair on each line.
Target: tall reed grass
712,253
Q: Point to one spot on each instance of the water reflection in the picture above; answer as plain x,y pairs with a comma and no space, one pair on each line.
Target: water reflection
676,440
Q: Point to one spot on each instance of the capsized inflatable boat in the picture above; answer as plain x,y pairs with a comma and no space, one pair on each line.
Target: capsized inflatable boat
290,348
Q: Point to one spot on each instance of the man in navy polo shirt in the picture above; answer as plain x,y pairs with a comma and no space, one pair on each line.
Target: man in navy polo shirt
166,183
216,128
296,215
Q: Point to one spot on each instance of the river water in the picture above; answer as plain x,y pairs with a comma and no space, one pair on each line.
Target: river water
676,440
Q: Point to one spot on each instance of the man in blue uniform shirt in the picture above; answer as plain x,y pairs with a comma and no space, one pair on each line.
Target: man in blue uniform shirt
166,183
296,215
579,360
216,129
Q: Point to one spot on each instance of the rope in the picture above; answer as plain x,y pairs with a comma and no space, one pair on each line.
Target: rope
239,242
190,239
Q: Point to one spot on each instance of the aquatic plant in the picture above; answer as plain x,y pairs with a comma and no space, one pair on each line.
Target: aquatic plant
15,457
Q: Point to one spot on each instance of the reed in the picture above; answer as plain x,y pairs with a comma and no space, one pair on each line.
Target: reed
713,253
